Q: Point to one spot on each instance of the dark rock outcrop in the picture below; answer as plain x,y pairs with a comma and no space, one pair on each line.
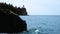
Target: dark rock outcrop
10,23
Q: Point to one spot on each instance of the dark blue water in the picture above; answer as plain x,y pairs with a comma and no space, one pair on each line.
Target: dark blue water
42,24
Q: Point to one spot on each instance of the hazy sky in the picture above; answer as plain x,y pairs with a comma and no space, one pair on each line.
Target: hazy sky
38,7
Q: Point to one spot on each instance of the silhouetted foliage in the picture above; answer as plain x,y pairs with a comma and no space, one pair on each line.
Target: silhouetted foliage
19,11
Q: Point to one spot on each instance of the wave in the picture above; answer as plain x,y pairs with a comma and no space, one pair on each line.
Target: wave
39,31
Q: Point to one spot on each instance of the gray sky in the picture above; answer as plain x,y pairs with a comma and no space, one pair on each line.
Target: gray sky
38,7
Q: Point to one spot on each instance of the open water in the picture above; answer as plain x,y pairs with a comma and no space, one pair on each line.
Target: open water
42,24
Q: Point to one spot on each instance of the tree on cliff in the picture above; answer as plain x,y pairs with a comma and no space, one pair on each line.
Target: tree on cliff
19,11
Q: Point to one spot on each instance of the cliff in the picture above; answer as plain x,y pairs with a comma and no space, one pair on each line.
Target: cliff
18,11
10,22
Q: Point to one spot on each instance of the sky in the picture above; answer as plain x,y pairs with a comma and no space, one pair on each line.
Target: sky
37,7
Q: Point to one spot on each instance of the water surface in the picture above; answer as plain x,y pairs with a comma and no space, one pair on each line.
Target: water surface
42,24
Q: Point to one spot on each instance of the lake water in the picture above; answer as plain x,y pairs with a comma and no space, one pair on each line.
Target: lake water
42,24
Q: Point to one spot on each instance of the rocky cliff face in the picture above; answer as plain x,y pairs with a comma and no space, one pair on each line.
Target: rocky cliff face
10,21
